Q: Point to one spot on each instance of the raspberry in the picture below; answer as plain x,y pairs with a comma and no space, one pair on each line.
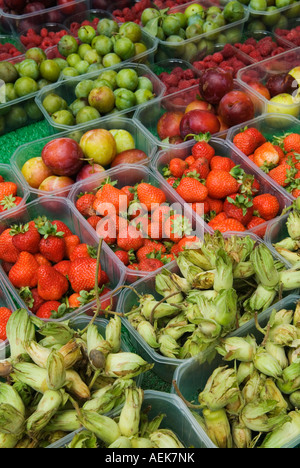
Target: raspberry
188,75
228,51
218,57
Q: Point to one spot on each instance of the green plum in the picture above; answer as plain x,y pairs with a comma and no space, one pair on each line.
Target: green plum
25,86
86,114
124,48
54,103
82,67
195,19
273,17
143,95
125,99
77,105
107,27
194,30
191,52
283,22
131,30
103,45
30,68
36,54
63,117
32,110
283,3
83,49
95,67
69,71
50,70
10,92
258,5
86,34
16,117
148,15
145,83
208,28
233,12
62,63
110,76
171,25
194,9
42,83
67,45
99,83
73,60
127,78
8,72
110,60
92,56
103,99
83,88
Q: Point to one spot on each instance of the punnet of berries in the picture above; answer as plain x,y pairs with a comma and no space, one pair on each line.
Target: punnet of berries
149,226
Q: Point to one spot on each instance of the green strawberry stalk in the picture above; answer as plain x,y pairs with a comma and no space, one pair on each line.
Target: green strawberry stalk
56,371
165,439
252,388
104,400
261,299
290,279
97,348
199,258
285,433
187,268
154,310
207,332
243,270
8,441
244,372
260,416
104,428
223,277
125,365
113,334
278,352
176,331
287,244
11,420
220,390
284,334
295,399
242,349
121,443
241,435
292,257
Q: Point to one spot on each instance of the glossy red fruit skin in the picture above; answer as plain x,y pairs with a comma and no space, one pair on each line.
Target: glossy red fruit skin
68,9
198,121
235,108
214,84
169,125
63,156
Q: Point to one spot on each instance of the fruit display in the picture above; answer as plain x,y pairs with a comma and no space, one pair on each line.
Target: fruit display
112,92
181,313
137,217
55,164
149,225
259,368
277,157
79,375
50,267
218,185
277,81
183,31
103,46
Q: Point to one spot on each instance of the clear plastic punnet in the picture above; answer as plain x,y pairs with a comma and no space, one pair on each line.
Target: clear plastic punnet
9,175
60,209
269,125
177,419
7,302
164,367
149,115
192,376
262,71
66,90
130,175
269,18
163,158
34,149
57,14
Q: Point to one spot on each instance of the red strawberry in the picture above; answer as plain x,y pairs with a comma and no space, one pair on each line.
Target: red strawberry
41,259
266,205
129,192
254,222
71,242
229,224
150,196
110,200
8,188
38,301
176,227
52,285
221,163
46,310
63,267
291,142
150,264
62,227
200,168
8,252
192,190
84,205
248,140
9,202
149,249
53,248
203,150
5,314
283,174
24,272
94,220
239,207
26,237
130,239
107,230
123,256
83,251
177,167
220,184
215,205
82,274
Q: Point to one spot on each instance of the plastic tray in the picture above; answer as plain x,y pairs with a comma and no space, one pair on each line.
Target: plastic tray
276,231
5,301
265,17
292,23
66,89
282,63
16,23
191,49
7,172
191,377
177,419
34,149
269,125
131,175
58,208
164,367
149,115
12,39
259,35
222,148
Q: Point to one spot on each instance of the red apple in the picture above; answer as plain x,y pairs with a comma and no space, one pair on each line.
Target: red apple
169,125
198,121
235,108
89,170
133,156
214,84
199,104
63,156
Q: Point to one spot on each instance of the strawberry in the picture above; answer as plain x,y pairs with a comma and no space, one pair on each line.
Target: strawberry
150,264
8,252
175,250
9,202
200,168
8,188
104,279
141,223
291,142
177,167
130,239
37,301
24,272
201,208
7,267
149,195
221,163
110,200
61,227
94,220
192,190
220,184
82,274
266,156
26,237
41,259
143,252
190,242
254,222
84,205
266,205
74,301
155,230
51,284
171,181
229,224
215,205
248,140
218,219
46,310
190,160
176,227
239,207
105,304
53,248
107,230
283,174
63,267
83,251
203,150
129,191
160,214
71,242
123,256
5,314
